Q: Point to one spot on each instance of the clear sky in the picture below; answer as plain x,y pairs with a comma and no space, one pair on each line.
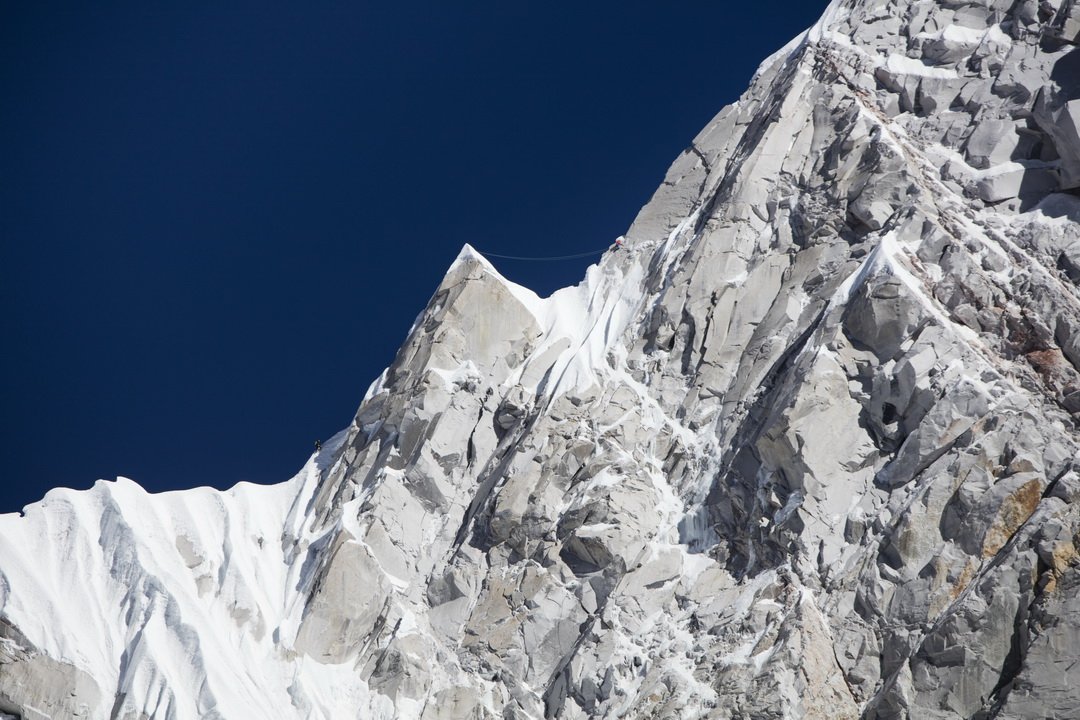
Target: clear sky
219,219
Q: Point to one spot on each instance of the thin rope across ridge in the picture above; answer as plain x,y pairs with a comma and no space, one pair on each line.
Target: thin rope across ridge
542,259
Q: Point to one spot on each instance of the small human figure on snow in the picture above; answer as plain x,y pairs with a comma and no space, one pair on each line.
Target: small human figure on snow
618,244
318,446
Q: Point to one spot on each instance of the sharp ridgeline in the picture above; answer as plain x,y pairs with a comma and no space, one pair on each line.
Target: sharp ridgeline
806,446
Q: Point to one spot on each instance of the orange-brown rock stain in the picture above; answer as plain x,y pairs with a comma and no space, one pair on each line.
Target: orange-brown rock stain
1014,512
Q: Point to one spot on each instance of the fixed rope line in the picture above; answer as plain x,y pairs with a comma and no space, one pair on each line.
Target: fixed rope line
543,259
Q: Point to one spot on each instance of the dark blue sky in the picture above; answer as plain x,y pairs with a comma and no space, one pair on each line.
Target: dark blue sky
218,220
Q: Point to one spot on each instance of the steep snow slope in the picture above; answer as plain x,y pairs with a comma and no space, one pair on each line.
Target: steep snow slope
807,447
157,597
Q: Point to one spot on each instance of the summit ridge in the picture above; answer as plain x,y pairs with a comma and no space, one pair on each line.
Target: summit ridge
806,446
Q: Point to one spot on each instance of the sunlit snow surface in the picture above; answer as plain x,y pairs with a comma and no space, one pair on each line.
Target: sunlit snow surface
207,587
179,573
196,603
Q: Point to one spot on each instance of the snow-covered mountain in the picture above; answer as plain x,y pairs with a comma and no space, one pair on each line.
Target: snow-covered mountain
807,446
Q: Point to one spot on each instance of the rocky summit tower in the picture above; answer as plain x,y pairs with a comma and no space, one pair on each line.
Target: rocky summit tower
806,447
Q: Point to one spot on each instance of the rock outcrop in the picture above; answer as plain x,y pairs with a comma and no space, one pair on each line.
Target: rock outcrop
806,447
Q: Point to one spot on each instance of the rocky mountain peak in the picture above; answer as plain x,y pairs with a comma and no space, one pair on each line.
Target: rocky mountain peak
805,447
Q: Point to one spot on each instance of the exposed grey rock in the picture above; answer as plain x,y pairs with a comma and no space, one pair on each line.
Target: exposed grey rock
806,447
37,687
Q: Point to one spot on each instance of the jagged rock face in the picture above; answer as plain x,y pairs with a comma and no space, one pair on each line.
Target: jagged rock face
807,447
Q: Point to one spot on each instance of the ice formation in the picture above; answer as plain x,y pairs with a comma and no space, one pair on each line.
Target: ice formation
807,446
